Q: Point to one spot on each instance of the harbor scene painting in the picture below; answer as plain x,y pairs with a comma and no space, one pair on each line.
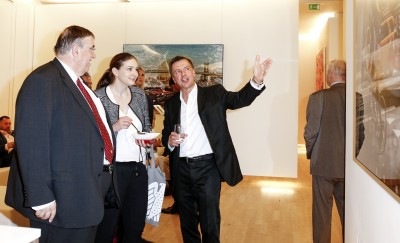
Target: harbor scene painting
207,60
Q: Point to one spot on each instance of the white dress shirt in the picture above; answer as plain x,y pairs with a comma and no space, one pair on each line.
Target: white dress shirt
196,142
9,139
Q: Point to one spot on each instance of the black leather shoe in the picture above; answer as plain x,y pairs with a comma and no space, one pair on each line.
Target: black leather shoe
169,210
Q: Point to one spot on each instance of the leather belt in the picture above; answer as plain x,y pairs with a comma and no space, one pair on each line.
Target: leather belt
108,168
197,158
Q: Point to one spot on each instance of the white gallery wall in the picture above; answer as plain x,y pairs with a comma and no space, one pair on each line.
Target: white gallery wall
308,50
6,30
16,48
265,134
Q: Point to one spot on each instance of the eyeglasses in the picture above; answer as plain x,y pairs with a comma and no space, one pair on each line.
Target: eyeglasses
179,71
92,49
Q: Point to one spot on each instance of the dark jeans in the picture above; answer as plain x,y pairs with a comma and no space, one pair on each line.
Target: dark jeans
198,188
132,187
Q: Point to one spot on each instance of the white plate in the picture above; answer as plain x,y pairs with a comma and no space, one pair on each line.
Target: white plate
146,136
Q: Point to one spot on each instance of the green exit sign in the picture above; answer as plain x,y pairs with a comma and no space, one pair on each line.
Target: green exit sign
313,6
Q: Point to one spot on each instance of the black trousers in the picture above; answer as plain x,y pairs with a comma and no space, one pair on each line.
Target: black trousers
198,188
324,189
132,187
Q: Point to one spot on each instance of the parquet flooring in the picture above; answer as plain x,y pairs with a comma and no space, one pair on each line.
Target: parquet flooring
258,210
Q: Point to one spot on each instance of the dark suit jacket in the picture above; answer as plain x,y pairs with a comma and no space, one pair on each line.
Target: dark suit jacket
5,157
325,130
59,149
212,102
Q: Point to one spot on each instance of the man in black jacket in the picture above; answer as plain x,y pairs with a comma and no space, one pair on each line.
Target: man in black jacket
204,154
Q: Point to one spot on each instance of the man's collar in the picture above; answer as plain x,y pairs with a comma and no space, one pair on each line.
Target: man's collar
70,72
337,82
192,93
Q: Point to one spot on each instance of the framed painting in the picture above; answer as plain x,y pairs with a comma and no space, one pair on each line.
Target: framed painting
377,75
320,70
154,58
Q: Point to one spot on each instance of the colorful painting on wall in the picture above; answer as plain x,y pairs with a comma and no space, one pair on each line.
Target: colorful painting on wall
320,74
154,59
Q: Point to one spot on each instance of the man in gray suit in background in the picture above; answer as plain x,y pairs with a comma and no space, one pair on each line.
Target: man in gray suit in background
325,142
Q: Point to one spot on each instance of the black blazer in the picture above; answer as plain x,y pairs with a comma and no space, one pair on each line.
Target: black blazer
213,102
59,150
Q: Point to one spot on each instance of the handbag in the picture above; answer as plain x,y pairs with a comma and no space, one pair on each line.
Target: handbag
156,191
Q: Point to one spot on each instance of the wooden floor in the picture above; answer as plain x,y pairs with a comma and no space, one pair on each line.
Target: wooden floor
258,209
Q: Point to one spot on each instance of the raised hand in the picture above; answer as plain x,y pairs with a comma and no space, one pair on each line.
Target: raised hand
261,70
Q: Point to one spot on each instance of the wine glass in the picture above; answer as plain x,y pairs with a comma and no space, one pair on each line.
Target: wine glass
179,130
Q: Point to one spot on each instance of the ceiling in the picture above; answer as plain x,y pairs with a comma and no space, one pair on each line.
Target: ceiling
308,19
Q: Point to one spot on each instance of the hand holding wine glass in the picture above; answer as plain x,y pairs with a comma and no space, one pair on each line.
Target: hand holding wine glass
178,129
177,136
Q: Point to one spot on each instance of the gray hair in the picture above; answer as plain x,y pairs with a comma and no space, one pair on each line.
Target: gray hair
71,35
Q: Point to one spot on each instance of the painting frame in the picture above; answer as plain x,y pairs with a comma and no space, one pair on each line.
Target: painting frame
154,58
377,81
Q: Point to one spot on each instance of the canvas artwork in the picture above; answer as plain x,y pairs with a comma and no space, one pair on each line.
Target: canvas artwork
320,74
377,75
154,58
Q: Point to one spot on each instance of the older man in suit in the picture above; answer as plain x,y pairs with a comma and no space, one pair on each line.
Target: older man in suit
325,142
205,155
64,145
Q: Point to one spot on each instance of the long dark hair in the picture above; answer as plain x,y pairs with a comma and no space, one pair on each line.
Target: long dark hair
116,62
